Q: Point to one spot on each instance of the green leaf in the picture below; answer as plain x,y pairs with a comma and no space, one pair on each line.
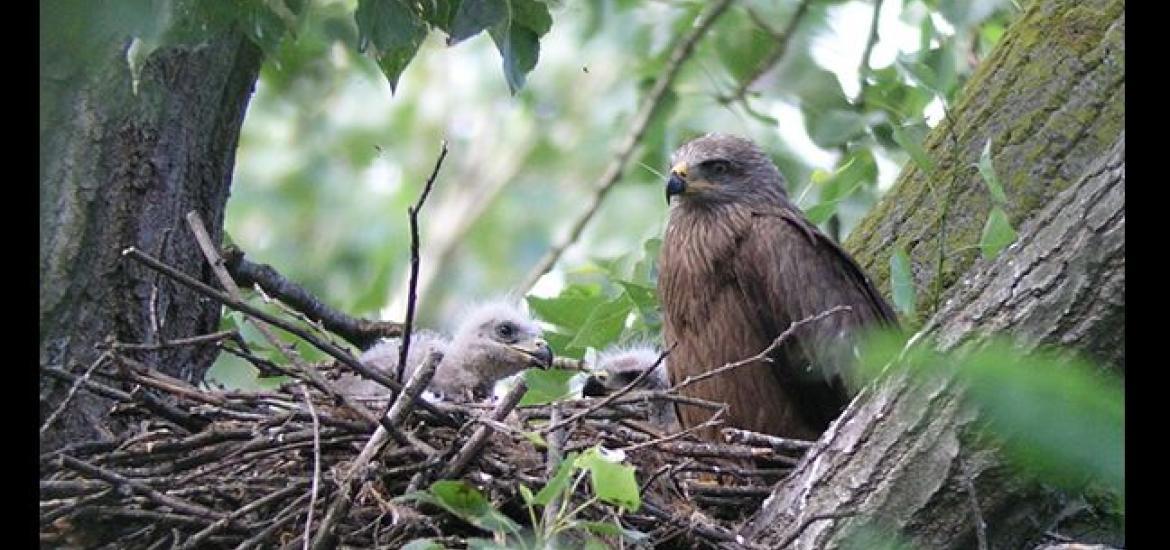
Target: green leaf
606,528
559,481
605,324
570,309
645,297
526,493
1063,419
913,146
646,268
613,482
423,544
594,544
997,233
536,440
546,386
394,31
485,544
474,16
987,170
833,127
518,39
466,503
902,283
821,213
860,168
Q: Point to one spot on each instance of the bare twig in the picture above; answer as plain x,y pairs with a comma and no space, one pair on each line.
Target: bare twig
638,125
308,372
611,397
713,420
783,38
343,497
337,353
116,479
283,518
362,333
552,463
201,339
781,444
73,391
201,536
763,355
411,295
477,440
316,463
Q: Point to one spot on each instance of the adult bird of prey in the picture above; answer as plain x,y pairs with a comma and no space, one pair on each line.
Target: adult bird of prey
739,263
619,366
494,340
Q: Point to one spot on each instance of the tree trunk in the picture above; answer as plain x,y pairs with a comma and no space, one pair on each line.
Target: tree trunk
120,169
903,454
1050,97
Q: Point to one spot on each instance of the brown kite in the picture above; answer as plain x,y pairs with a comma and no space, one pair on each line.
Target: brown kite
739,263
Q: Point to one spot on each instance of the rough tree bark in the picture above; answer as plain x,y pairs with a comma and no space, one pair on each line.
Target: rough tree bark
1050,97
901,455
119,169
1051,100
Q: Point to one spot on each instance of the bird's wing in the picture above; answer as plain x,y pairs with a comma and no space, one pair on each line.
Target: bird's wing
788,270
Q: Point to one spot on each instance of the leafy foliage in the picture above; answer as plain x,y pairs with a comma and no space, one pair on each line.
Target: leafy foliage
1059,418
612,483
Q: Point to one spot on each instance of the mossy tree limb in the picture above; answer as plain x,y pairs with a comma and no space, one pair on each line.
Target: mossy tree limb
905,454
1050,97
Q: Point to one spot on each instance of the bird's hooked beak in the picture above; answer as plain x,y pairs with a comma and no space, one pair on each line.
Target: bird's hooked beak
677,183
536,350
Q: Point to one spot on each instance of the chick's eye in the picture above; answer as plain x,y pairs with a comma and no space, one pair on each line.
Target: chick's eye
506,330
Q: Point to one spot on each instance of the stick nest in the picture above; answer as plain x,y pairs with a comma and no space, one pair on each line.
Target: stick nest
218,468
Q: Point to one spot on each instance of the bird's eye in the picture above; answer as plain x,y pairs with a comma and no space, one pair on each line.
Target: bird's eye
716,167
506,330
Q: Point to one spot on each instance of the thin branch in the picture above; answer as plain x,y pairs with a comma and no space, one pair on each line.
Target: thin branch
343,497
307,371
611,397
763,355
201,536
119,480
316,463
333,351
780,444
477,440
362,333
782,41
412,293
713,420
638,125
201,339
73,391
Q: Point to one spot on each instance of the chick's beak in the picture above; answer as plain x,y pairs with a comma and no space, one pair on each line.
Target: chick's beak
538,351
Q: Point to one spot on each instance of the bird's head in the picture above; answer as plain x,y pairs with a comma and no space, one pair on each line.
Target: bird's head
498,339
719,168
617,367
